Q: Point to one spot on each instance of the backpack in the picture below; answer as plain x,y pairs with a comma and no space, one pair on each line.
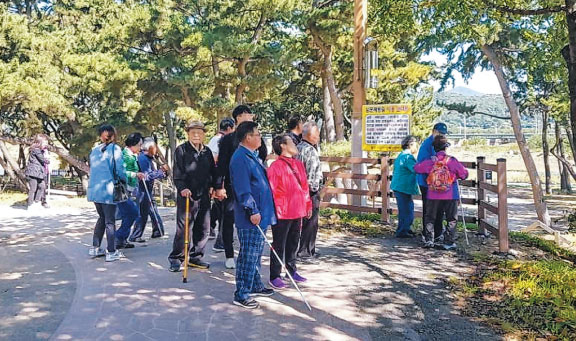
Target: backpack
440,179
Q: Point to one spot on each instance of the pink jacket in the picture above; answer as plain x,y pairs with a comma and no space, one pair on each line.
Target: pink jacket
290,191
454,166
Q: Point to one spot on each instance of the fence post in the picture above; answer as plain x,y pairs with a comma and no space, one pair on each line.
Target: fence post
502,206
384,188
481,195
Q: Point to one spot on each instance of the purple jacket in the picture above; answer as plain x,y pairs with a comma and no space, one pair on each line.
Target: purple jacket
455,168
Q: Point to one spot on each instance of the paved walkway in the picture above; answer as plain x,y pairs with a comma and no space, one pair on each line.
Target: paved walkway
381,289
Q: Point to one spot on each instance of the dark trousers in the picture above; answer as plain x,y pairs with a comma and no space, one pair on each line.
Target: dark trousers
216,217
285,238
438,228
227,225
439,208
310,230
146,210
36,191
199,221
405,213
106,222
157,223
129,212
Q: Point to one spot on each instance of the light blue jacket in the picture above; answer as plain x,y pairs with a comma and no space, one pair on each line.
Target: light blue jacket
252,193
404,176
101,182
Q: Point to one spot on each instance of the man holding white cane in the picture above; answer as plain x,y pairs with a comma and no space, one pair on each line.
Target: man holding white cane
253,206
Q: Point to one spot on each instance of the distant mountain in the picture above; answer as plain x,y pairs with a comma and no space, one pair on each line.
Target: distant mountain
461,90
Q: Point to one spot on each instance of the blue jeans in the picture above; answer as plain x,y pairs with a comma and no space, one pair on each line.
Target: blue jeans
405,213
129,212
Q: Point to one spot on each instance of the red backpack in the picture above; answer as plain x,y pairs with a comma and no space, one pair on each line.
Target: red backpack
440,179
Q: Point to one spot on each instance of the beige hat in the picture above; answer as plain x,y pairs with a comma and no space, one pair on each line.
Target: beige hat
195,125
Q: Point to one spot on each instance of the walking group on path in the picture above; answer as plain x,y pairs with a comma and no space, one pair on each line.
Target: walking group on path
227,183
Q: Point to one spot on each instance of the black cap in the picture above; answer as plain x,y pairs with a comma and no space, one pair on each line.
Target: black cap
441,128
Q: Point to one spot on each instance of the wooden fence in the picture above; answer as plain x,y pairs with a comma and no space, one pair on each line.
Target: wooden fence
381,175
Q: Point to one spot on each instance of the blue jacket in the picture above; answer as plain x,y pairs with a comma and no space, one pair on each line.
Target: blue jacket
252,193
404,176
425,152
146,167
101,182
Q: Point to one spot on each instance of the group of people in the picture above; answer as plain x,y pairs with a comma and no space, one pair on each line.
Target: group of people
435,175
131,168
226,183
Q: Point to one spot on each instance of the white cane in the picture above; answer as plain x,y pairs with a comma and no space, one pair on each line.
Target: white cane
462,211
284,267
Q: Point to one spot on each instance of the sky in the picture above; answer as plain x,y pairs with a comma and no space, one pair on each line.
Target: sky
482,81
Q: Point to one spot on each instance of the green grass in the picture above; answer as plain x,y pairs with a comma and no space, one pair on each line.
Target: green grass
367,224
544,245
537,298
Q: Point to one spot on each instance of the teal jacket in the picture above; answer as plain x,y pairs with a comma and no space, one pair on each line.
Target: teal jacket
404,176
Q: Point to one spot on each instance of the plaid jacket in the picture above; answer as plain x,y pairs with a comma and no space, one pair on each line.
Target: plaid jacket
308,154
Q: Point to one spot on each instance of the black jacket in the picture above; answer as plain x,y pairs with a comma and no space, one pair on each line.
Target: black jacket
195,170
36,164
227,146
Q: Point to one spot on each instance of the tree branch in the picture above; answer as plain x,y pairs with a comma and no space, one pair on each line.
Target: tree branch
521,11
63,153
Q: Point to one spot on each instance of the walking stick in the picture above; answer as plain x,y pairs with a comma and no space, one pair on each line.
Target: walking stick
186,242
284,267
462,212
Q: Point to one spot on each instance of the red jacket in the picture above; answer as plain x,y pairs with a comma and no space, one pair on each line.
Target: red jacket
291,195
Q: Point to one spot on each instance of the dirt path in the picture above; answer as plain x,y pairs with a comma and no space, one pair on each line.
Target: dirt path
381,289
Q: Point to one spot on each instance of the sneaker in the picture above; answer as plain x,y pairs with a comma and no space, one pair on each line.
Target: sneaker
198,264
247,303
297,278
114,256
156,235
96,252
448,247
218,248
428,244
212,235
278,283
45,205
140,240
230,264
265,292
174,267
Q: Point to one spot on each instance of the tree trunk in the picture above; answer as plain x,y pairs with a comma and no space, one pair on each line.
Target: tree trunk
220,89
12,175
327,74
328,113
546,152
171,134
568,130
539,203
242,85
565,186
13,165
63,153
569,54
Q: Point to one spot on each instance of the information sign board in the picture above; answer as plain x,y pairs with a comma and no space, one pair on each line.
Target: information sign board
384,126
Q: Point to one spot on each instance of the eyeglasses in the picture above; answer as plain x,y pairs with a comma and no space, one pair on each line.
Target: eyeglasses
255,134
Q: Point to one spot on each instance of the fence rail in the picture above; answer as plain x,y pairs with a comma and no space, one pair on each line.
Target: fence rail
383,192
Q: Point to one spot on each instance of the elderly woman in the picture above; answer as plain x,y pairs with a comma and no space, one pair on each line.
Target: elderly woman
146,192
36,171
405,186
